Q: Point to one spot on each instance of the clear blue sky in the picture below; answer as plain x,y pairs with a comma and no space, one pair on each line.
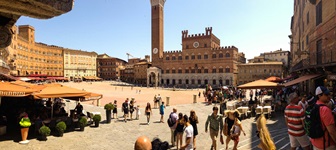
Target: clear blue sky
116,27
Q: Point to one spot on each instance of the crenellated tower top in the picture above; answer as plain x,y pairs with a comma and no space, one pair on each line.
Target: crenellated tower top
157,2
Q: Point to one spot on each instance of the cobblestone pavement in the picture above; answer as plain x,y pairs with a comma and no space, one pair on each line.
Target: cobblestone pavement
119,135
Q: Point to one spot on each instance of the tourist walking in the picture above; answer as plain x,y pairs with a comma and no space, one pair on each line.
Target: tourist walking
193,120
215,123
228,123
179,131
266,141
131,109
294,117
236,130
155,102
328,140
125,109
148,111
162,107
189,133
173,116
115,110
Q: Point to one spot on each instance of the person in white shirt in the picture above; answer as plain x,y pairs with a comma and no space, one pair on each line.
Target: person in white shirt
303,103
189,132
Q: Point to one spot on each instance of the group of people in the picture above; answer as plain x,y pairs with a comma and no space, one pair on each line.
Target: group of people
300,109
231,127
128,107
183,124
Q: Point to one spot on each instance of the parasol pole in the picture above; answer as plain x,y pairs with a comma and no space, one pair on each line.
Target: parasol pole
52,107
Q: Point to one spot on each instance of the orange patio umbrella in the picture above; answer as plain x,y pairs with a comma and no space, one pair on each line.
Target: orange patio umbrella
12,90
258,84
274,79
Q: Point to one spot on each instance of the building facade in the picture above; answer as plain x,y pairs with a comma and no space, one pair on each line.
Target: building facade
201,61
108,68
313,28
4,55
28,57
258,70
278,55
79,64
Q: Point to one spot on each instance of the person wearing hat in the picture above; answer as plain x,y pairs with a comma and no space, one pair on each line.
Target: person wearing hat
294,117
228,123
328,141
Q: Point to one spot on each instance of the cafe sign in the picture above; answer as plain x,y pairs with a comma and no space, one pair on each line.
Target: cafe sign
11,93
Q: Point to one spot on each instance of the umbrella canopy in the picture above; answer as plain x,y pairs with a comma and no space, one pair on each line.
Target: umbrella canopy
259,84
274,79
13,90
57,90
93,96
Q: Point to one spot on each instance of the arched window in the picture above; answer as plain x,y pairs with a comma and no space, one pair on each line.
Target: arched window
227,54
220,55
227,69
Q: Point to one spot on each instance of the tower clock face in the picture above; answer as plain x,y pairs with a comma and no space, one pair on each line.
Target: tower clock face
155,50
196,44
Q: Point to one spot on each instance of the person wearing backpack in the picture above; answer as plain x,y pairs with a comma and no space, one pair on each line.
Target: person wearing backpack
294,117
172,120
327,141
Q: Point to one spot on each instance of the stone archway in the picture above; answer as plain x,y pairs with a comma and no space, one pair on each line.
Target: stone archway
153,76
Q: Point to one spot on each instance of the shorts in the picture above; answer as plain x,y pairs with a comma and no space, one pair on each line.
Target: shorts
213,134
147,113
235,138
296,141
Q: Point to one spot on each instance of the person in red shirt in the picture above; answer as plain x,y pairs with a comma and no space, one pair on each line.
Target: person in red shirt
294,116
327,120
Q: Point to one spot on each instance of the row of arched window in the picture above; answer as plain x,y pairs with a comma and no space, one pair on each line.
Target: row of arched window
199,56
198,70
194,81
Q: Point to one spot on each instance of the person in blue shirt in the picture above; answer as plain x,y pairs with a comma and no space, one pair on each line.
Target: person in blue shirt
162,107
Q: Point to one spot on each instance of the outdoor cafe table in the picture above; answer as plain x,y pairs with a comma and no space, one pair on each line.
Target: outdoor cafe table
264,109
243,110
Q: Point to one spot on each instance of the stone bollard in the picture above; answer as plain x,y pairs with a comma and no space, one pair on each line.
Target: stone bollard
167,101
195,98
98,102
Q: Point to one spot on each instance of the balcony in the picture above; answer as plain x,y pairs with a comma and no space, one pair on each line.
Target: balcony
303,64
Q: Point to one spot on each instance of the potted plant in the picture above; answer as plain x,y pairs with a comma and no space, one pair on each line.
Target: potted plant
61,127
44,132
96,119
25,124
108,107
82,123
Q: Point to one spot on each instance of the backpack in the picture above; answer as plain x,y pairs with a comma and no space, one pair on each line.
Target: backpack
170,121
157,144
312,122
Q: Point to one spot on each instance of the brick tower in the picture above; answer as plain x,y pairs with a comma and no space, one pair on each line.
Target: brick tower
157,31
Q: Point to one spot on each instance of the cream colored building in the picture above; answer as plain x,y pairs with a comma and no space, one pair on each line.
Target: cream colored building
78,63
260,70
278,55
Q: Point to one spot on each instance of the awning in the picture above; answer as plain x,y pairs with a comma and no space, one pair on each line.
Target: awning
301,79
258,84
